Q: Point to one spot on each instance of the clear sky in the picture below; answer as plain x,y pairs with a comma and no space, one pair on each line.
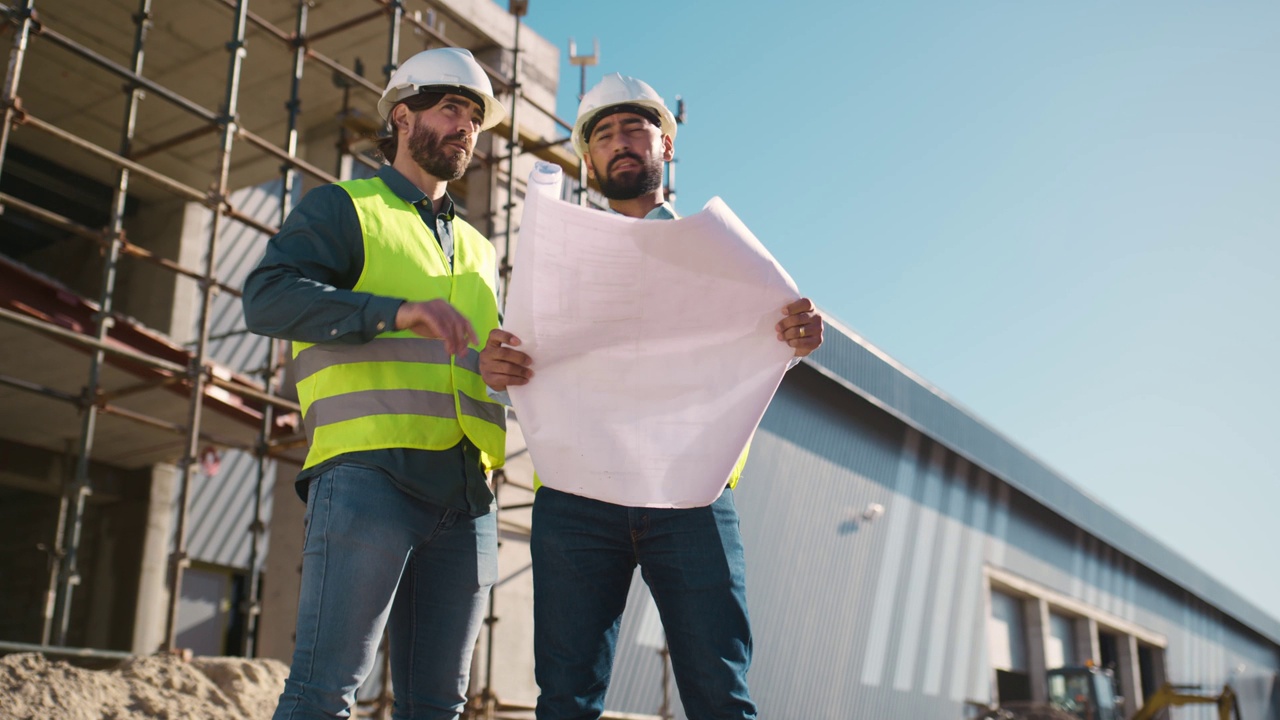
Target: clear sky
1064,215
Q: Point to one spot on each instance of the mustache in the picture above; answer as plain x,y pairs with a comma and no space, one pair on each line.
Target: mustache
458,138
625,156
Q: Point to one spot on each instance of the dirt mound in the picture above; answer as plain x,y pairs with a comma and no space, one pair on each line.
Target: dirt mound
148,688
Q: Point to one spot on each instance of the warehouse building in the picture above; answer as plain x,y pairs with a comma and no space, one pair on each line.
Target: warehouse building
905,559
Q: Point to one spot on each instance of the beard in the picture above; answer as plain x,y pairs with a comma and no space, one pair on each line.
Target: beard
635,183
430,153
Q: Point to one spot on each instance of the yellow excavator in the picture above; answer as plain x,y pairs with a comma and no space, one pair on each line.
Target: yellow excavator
1178,695
1088,693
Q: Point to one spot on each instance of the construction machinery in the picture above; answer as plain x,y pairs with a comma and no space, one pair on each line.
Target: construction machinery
1088,693
1178,695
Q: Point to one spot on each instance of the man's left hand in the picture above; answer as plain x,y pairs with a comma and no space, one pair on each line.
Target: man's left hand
802,327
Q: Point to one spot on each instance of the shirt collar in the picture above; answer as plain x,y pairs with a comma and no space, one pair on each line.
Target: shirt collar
407,191
662,212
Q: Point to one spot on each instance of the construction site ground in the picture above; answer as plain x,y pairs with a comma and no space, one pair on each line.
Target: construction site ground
160,687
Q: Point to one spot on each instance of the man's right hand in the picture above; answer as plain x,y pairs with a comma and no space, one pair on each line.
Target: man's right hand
501,366
437,319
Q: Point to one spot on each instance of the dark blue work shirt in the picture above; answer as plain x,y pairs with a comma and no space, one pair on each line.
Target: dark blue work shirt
301,290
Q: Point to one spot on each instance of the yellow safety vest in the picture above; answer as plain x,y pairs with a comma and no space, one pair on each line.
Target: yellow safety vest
401,390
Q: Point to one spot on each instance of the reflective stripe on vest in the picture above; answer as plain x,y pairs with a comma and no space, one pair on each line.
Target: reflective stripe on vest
401,390
415,349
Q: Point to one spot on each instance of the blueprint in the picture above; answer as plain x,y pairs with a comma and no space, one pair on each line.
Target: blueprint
653,345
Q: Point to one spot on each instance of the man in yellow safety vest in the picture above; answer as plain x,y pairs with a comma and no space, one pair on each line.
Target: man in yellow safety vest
384,292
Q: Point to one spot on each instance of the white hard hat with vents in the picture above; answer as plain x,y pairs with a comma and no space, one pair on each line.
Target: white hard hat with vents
439,70
612,91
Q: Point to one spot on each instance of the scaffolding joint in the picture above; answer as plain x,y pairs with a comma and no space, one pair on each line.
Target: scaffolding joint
52,552
142,19
17,14
215,200
19,112
197,371
104,320
84,400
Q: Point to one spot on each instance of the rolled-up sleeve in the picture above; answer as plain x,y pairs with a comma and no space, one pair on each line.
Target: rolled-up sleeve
301,289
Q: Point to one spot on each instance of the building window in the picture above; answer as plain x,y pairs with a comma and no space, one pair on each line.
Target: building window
1060,649
1006,638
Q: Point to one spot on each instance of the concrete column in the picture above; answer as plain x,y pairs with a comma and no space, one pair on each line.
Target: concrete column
1086,639
153,577
283,568
1128,671
1037,614
173,229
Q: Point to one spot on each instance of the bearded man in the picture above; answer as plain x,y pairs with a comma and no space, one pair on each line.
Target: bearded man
383,292
585,551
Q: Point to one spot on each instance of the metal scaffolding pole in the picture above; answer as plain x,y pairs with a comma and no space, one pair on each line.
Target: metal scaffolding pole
583,62
513,147
486,705
270,371
13,76
197,370
68,572
396,9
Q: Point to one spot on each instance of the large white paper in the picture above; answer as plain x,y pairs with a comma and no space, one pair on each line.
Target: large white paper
653,345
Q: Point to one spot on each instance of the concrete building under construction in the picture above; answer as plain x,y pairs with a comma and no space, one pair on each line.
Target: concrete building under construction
906,560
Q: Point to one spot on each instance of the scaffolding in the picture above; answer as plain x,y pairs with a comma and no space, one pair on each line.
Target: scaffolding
111,341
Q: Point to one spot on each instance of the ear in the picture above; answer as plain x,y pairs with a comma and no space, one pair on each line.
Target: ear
668,148
399,115
591,168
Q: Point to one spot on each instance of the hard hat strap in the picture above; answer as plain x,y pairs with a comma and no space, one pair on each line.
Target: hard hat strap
642,111
467,93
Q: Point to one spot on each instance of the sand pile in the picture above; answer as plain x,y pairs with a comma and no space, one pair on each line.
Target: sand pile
158,687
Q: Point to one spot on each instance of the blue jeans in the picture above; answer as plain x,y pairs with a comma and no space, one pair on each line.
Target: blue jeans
374,555
584,554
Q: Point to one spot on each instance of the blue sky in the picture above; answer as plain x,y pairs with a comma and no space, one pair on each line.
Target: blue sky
1064,215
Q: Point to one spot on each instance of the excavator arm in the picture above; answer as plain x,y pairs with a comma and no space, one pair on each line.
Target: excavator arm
1178,695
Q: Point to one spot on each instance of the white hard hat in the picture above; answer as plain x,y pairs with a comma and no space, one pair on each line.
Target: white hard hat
616,90
442,68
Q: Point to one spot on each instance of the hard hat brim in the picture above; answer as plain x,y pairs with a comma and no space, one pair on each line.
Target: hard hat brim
494,111
667,121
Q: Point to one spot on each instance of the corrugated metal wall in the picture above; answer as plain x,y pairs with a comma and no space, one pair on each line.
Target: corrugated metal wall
221,507
886,617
